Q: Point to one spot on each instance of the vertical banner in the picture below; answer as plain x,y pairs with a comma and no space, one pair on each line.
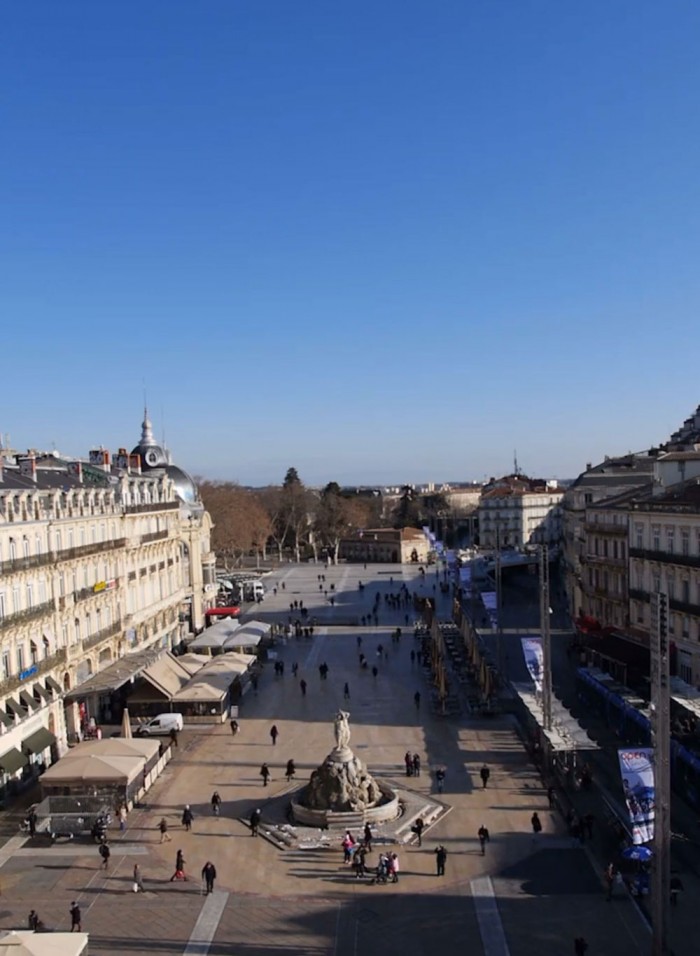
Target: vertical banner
637,769
532,652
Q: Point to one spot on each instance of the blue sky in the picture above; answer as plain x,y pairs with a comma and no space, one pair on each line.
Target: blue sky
376,241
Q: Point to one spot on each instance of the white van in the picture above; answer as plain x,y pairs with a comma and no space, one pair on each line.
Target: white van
162,724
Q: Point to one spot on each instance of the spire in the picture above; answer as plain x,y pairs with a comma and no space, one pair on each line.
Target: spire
147,430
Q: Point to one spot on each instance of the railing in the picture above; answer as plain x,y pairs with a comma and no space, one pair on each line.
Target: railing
23,564
101,635
604,528
684,607
53,557
638,595
84,593
10,684
666,557
154,536
605,559
28,614
155,506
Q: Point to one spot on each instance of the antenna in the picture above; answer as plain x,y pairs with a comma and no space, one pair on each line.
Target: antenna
516,468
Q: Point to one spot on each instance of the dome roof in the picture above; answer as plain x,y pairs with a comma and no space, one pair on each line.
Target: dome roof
184,485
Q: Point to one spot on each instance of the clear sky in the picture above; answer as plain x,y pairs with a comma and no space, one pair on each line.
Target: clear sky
377,241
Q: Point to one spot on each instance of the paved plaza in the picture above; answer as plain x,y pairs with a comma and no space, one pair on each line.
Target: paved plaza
526,897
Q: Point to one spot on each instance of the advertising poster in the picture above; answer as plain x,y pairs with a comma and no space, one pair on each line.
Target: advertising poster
532,652
637,769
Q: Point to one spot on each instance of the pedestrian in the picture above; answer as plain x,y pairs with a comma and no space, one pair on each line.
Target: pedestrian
358,861
484,838
367,837
265,774
484,773
216,803
274,734
416,699
291,770
173,736
254,822
550,797
33,921
374,671
179,873
105,853
440,779
163,827
138,879
295,669
348,845
31,822
677,887
302,685
122,818
76,919
440,859
187,818
580,946
416,765
418,828
408,760
609,876
536,823
209,875
234,727
394,867
346,691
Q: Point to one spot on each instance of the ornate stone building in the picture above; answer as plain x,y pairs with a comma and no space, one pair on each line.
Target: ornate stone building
104,563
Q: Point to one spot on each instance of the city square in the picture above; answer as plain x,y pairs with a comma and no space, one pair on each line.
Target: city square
528,894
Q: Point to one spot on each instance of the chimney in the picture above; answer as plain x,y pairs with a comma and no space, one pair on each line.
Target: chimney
27,467
134,464
100,458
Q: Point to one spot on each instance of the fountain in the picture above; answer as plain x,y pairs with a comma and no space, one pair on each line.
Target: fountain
342,790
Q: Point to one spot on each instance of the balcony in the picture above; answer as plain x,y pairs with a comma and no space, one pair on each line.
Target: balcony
666,557
604,559
637,595
154,536
53,557
602,527
37,669
149,508
95,591
684,607
102,635
26,564
29,614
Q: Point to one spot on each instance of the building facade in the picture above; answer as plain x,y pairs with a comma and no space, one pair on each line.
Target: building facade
390,545
519,512
95,565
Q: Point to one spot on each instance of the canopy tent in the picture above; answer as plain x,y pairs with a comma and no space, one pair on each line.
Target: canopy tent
257,627
90,768
213,682
140,747
566,733
166,676
193,662
214,637
244,637
686,695
28,943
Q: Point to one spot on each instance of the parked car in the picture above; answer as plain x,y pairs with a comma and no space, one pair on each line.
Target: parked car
163,724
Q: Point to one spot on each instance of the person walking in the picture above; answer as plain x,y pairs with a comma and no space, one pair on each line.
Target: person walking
138,879
274,734
550,797
375,671
394,867
187,818
31,822
536,823
76,919
408,760
291,770
440,779
179,873
484,838
367,837
33,921
484,773
163,827
254,822
302,685
122,818
609,875
416,698
216,803
418,828
234,727
358,861
346,691
416,765
173,737
209,875
265,774
440,859
105,853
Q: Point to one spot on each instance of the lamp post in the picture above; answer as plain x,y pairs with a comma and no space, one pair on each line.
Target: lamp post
661,736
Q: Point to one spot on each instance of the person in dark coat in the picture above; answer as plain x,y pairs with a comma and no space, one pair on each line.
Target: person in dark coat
484,773
291,770
274,734
105,853
187,818
76,919
179,873
209,875
265,774
440,859
254,822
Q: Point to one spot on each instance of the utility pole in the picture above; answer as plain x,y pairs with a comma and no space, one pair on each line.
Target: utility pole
546,639
661,735
499,605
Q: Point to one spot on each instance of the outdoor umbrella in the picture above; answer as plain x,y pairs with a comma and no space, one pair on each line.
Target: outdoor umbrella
126,723
640,853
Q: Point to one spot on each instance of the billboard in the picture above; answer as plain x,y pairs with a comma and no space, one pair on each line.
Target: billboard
532,652
637,769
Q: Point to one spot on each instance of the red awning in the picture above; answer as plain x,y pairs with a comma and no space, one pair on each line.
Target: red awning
223,612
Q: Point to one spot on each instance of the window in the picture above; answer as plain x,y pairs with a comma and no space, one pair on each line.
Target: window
71,538
656,538
670,585
670,539
58,540
20,658
685,541
62,584
64,635
88,625
686,626
77,630
6,666
588,499
33,652
685,590
42,591
2,605
13,549
25,547
16,603
30,595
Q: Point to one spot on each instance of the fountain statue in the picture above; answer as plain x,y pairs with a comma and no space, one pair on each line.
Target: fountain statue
342,784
